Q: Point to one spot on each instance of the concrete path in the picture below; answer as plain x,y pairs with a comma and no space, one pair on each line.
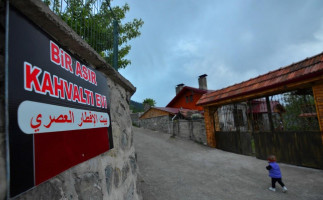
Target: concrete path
182,169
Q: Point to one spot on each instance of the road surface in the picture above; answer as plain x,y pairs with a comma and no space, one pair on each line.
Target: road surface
175,169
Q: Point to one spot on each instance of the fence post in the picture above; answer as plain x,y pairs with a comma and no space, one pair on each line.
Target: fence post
115,44
235,116
190,127
250,118
271,123
252,124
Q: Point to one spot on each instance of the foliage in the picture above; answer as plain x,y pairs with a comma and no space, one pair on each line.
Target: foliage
295,105
149,101
94,23
197,116
136,106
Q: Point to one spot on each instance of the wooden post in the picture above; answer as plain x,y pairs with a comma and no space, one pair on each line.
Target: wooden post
216,121
318,96
250,118
235,117
270,116
209,127
251,121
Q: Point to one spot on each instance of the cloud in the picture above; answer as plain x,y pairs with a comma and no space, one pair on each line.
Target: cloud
185,47
231,41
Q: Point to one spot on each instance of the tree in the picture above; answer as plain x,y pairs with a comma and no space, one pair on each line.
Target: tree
297,103
94,23
136,106
149,101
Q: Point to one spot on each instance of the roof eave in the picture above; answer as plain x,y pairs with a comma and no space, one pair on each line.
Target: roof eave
308,76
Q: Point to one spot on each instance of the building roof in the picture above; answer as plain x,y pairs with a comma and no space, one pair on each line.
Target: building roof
174,111
183,90
309,68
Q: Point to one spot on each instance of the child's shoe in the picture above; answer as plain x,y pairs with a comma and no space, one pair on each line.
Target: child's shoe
272,189
284,189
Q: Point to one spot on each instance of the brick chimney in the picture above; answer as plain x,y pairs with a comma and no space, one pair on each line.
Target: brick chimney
202,82
179,87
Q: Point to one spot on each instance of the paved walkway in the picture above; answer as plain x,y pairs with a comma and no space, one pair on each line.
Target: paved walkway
182,169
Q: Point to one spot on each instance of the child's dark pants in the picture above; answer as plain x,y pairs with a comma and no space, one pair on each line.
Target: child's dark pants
274,180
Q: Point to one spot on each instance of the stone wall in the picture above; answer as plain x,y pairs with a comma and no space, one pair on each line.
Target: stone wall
135,118
111,175
156,123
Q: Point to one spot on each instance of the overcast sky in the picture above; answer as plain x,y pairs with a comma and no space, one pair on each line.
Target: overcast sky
229,40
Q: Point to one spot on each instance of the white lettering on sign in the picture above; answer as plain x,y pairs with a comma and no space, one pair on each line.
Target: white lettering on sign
35,117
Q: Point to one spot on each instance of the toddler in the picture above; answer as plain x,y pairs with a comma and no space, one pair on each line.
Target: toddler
275,174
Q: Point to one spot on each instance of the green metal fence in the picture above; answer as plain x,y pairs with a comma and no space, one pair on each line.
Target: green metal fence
92,20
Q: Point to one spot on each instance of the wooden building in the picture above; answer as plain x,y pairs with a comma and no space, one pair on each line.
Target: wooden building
182,106
185,100
187,97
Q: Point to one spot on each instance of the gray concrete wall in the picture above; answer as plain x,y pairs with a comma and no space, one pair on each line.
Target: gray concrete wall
156,123
111,175
187,129
184,129
198,131
190,129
